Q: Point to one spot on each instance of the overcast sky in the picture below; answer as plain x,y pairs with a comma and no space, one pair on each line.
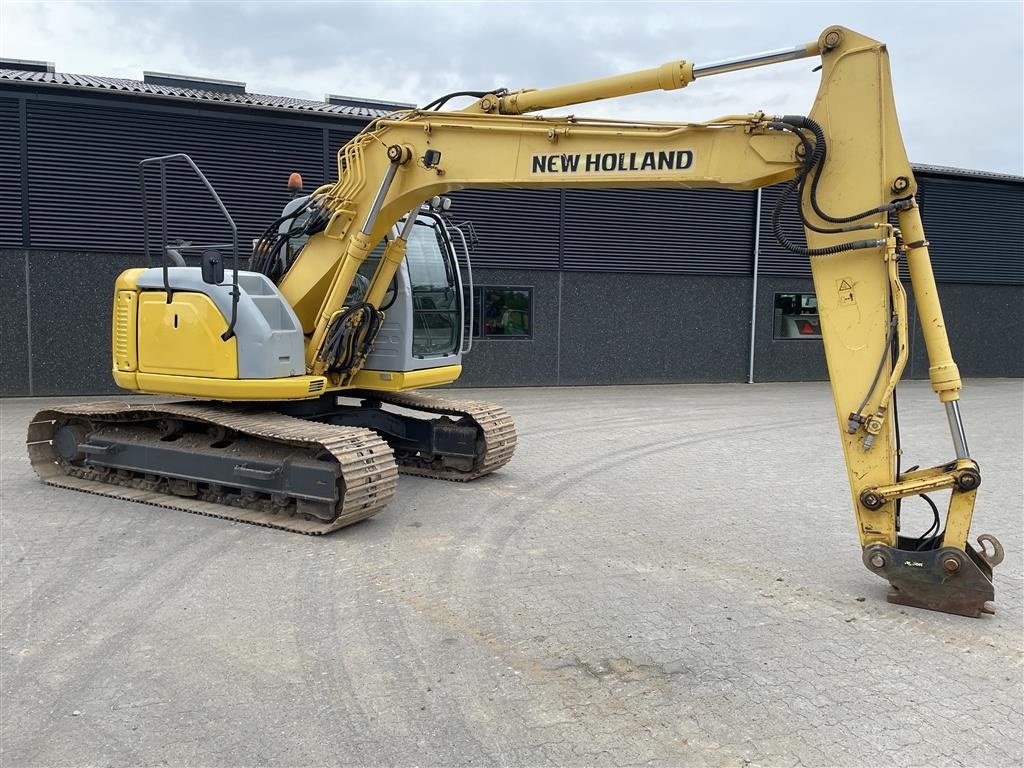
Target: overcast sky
957,66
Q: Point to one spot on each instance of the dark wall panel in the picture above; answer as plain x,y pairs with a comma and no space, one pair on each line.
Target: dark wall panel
673,231
518,229
14,347
637,329
700,331
985,324
71,345
976,230
11,186
804,359
785,359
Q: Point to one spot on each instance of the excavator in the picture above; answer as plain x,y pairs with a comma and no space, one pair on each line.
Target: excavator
304,371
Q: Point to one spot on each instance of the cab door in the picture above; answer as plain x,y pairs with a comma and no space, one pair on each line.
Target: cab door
423,316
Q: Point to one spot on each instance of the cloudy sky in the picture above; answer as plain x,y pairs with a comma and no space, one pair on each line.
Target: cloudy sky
957,66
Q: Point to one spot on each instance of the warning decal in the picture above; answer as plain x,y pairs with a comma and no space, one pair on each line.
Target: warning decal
846,296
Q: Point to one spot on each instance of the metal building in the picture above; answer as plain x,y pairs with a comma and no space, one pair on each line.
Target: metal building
575,286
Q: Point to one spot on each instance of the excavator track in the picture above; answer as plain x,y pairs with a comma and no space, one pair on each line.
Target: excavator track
67,447
495,445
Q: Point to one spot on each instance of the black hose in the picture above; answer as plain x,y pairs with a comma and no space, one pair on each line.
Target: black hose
268,245
821,151
792,247
929,537
351,336
886,352
802,179
442,100
274,225
814,158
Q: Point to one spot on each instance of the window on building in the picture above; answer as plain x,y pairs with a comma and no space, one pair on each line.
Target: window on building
796,316
507,312
500,312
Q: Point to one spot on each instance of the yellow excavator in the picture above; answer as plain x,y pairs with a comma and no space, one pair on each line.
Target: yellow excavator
305,366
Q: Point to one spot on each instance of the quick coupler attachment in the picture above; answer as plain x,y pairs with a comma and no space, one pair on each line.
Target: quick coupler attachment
943,579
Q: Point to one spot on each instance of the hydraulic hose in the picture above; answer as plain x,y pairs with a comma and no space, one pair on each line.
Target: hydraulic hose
814,159
809,158
821,152
442,100
792,247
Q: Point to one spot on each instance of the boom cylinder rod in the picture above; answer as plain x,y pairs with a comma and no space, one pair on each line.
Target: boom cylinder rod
667,77
756,60
410,221
378,200
956,429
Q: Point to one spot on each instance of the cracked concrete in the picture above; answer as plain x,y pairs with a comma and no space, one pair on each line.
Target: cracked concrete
663,576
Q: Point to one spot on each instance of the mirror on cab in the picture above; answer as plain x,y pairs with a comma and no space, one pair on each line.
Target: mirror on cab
213,267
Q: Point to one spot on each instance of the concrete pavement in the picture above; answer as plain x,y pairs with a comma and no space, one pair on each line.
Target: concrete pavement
664,575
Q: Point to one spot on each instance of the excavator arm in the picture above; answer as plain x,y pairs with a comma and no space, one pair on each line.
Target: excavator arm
847,170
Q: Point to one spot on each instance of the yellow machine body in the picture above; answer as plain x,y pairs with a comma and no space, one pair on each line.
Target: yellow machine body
183,337
182,352
398,162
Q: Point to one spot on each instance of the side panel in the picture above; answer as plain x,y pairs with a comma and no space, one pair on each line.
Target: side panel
183,337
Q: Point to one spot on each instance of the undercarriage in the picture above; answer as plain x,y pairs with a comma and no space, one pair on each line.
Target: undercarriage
309,468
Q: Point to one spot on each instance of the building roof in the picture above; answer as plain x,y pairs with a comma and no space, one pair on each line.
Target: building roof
233,97
942,170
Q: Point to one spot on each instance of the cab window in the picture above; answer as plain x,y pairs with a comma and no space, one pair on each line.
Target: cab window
437,306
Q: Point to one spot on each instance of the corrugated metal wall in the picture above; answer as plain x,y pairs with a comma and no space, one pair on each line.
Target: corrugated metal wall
570,246
975,230
675,231
668,231
774,260
518,228
82,192
83,158
10,174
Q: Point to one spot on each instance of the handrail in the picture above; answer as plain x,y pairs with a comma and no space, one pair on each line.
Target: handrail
463,349
162,162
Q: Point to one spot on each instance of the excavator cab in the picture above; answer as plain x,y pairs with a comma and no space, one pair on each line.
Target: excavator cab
424,307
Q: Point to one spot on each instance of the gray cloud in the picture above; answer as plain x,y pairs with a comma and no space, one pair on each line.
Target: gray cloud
957,67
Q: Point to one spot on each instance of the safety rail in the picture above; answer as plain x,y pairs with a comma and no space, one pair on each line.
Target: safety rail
465,348
161,162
